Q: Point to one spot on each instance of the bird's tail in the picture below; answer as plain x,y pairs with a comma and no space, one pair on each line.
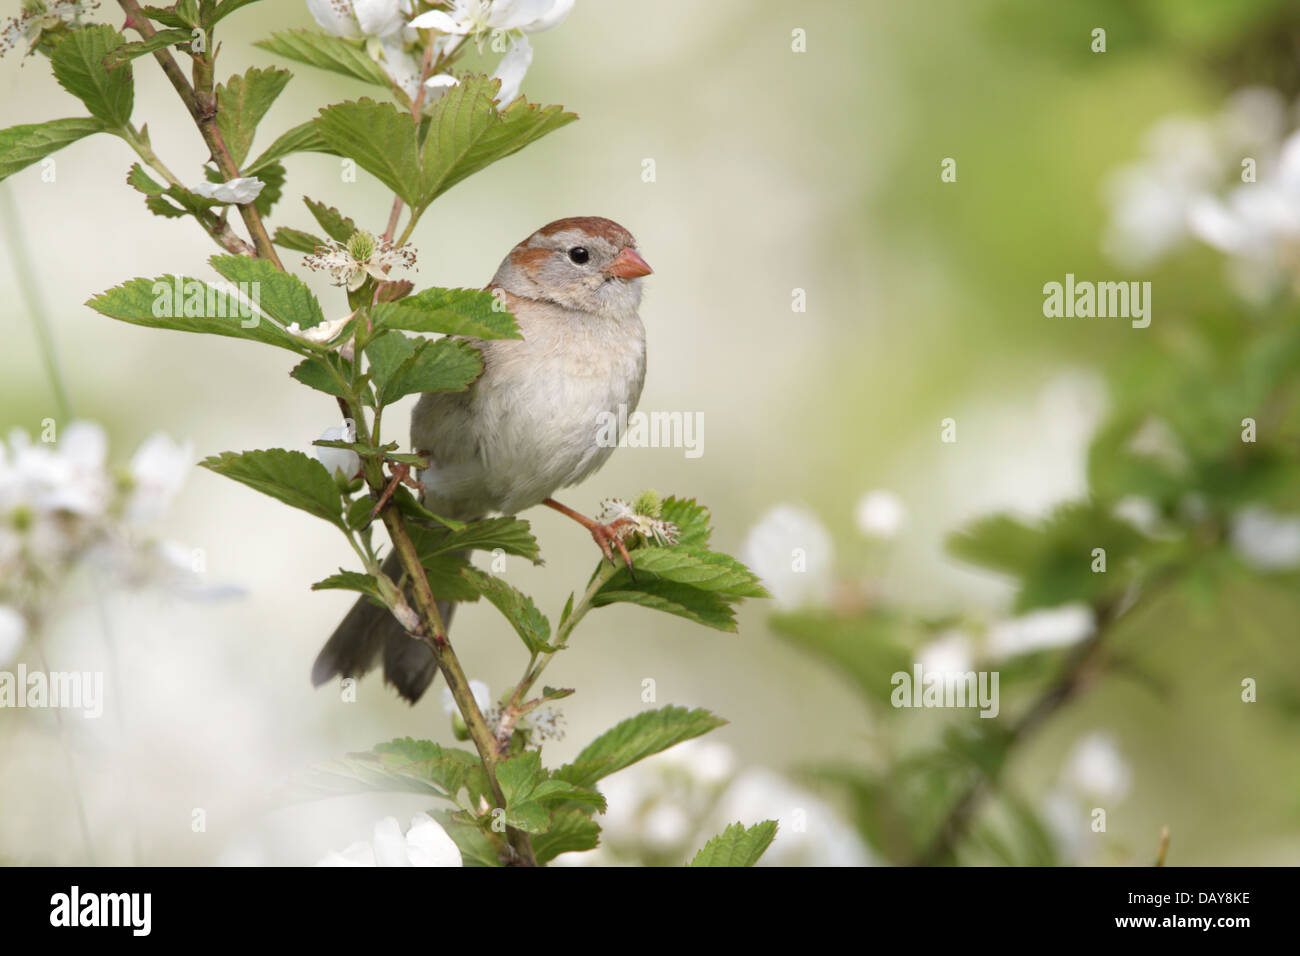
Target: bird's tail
369,631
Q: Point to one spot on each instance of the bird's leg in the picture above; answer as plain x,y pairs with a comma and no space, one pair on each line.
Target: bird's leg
604,534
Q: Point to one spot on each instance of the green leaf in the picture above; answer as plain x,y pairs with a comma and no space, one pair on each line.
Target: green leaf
447,579
137,48
512,535
571,831
273,177
337,54
284,297
476,847
702,607
289,476
403,765
382,140
705,570
399,366
737,846
350,581
175,16
296,239
518,608
470,312
530,792
336,225
466,133
20,146
226,7
315,373
242,101
78,63
204,308
635,739
691,519
303,138
1054,559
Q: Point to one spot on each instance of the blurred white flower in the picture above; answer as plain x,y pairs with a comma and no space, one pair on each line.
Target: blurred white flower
949,653
425,843
704,761
791,551
338,461
1266,539
808,831
1096,769
482,696
158,468
244,189
880,514
1041,630
1139,511
13,631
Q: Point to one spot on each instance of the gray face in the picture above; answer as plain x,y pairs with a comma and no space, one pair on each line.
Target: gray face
568,266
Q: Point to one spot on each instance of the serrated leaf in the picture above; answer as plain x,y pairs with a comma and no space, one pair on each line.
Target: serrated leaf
635,739
737,846
570,831
78,63
350,581
284,297
296,239
315,373
512,535
205,308
518,608
289,476
171,17
702,607
226,7
446,574
382,140
691,519
273,177
336,225
403,765
137,48
242,101
401,366
20,146
705,570
303,138
140,181
466,133
469,312
476,848
336,54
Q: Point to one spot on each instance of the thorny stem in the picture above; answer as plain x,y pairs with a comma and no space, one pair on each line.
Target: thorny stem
202,107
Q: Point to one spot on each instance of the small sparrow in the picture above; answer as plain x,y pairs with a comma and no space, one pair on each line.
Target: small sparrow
529,425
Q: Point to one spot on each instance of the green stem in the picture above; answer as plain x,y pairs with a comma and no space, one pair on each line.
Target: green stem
32,301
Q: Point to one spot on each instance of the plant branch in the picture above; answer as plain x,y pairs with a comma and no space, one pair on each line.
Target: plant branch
202,108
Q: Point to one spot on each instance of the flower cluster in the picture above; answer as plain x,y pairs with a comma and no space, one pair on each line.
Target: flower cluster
39,17
62,507
363,257
393,36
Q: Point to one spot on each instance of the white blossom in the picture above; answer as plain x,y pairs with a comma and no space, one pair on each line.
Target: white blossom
880,514
241,190
338,461
425,843
1096,769
482,696
362,256
512,69
1266,539
791,551
158,468
1041,630
479,17
949,653
13,631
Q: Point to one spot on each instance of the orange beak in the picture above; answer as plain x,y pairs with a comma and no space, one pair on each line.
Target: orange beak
628,265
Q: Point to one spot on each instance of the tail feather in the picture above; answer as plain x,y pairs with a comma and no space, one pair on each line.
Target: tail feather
369,631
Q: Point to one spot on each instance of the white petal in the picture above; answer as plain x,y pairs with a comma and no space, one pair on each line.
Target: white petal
158,469
559,10
791,551
337,460
1041,630
437,20
357,854
400,66
512,69
390,844
441,82
242,190
379,18
335,16
427,843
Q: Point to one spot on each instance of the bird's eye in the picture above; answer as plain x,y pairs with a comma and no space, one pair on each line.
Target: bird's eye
579,254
